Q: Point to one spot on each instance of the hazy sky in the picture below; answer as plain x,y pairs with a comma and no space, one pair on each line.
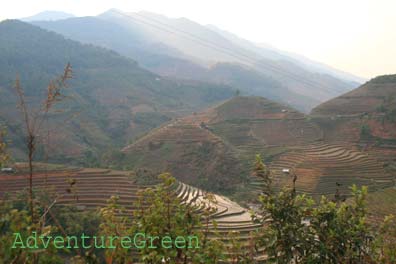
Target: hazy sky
357,36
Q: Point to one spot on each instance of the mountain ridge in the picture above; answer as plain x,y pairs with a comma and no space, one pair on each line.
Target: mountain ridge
181,48
214,149
273,53
115,100
49,15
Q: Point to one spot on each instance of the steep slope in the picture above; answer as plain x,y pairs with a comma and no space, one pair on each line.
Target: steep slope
258,122
319,67
358,147
364,119
273,53
366,114
228,215
214,149
207,46
129,42
134,44
252,82
112,100
184,49
322,168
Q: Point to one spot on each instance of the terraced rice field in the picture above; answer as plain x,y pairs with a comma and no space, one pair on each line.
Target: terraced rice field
267,132
320,166
93,187
191,152
214,149
386,154
229,216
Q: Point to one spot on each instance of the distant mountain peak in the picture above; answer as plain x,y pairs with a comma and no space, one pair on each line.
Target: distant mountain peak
112,10
48,15
182,48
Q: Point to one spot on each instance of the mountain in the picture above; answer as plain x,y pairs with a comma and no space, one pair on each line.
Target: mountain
323,68
111,100
272,53
48,16
111,35
200,43
184,49
94,30
367,113
364,118
357,144
214,149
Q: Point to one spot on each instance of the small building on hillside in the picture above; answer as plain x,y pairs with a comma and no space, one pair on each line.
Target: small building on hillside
8,170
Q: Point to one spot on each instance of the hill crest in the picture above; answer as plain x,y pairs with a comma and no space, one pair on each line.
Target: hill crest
367,98
49,15
112,99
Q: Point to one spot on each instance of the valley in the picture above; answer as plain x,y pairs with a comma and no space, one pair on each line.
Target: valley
88,189
261,152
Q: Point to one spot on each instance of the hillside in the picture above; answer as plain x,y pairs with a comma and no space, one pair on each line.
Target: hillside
368,98
184,49
382,203
366,114
214,149
111,100
364,119
322,169
226,216
272,53
169,62
259,122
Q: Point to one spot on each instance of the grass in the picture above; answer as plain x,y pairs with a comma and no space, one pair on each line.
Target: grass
382,203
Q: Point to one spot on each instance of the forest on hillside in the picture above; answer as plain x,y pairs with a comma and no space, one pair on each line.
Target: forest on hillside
137,137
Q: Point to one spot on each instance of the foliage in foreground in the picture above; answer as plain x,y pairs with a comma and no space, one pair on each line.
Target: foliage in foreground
159,213
3,155
298,230
162,214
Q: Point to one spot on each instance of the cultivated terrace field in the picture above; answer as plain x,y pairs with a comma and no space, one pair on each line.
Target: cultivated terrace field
90,189
165,138
288,140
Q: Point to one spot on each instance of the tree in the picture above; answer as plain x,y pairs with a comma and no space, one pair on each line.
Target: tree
237,253
297,230
112,224
261,171
162,214
33,120
341,230
365,131
3,154
13,220
286,237
385,241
